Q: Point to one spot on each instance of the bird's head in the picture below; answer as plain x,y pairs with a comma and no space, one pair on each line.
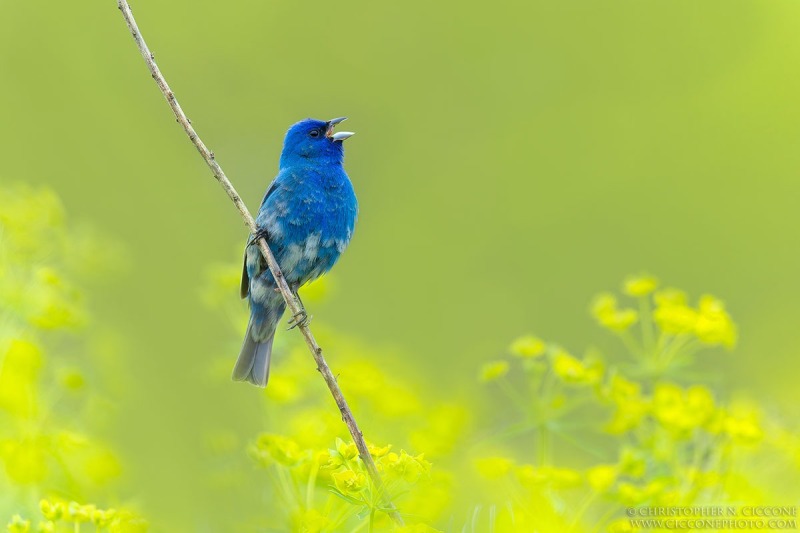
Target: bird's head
313,140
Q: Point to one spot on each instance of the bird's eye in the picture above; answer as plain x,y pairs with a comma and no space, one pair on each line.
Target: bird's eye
314,133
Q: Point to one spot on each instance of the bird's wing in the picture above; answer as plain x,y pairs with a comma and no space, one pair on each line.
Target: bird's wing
272,188
244,288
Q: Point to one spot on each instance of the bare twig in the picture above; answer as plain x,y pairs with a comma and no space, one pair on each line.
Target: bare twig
292,302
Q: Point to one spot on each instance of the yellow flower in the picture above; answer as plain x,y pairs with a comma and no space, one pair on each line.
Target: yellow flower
18,525
608,315
628,415
672,314
632,462
347,451
51,510
681,410
741,423
621,389
349,481
528,347
404,466
279,449
601,477
494,370
714,325
493,467
603,303
377,451
620,320
573,371
641,285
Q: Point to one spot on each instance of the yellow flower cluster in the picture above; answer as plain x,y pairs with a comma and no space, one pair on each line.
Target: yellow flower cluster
528,347
403,466
678,410
55,512
606,310
675,441
340,470
39,452
682,410
672,331
573,371
709,322
665,439
602,477
640,286
630,405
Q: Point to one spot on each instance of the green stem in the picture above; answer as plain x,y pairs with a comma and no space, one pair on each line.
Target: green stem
543,415
677,345
312,479
582,510
646,320
371,519
516,398
630,343
544,444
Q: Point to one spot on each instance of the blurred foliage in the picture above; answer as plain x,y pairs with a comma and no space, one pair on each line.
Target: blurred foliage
588,436
556,442
51,398
634,428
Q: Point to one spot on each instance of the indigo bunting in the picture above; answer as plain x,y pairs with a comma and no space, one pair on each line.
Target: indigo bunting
307,217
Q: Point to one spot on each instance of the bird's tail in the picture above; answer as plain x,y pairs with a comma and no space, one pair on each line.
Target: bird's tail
253,362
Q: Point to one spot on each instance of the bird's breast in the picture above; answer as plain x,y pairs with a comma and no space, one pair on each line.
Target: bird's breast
310,222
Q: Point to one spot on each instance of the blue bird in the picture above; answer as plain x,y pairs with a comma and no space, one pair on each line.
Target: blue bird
307,217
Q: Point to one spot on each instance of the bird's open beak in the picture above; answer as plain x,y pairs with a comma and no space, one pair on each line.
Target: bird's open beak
339,135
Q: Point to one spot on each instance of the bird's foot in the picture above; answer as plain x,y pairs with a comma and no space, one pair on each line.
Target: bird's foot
262,233
301,318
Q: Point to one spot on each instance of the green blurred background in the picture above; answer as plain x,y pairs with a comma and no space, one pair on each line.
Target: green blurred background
512,159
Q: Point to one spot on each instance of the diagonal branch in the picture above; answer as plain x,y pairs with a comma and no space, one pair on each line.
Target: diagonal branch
291,301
